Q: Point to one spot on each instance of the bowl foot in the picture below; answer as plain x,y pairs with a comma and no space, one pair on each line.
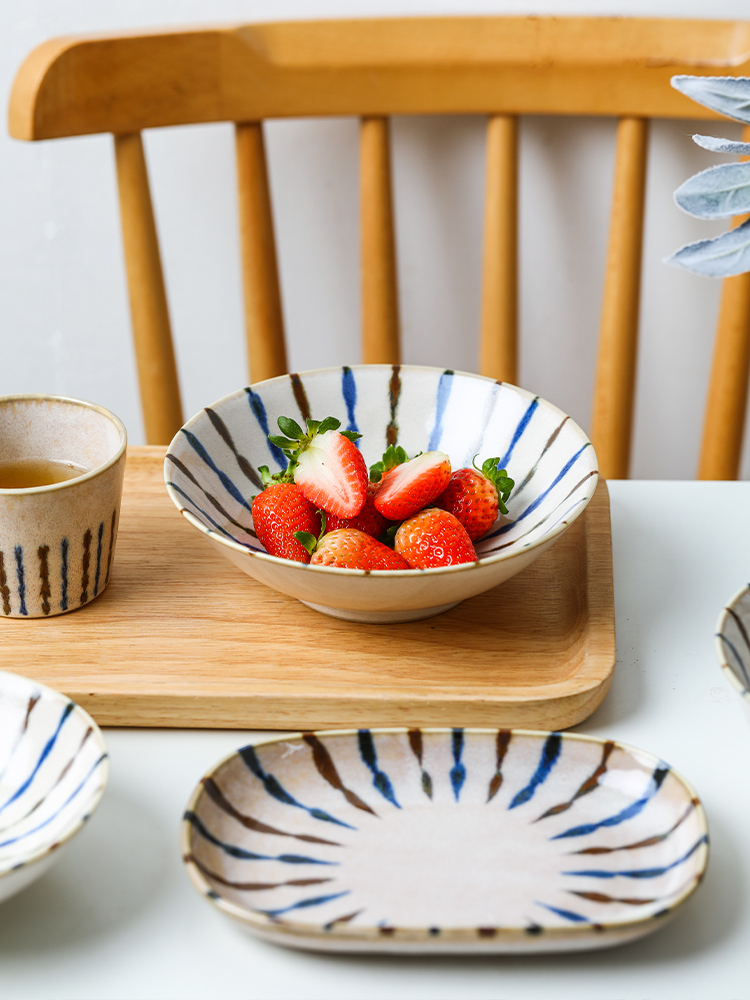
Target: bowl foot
381,617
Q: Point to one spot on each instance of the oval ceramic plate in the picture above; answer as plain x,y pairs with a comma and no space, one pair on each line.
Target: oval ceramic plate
445,840
733,644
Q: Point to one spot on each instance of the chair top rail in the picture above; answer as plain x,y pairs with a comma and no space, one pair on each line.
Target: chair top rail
606,66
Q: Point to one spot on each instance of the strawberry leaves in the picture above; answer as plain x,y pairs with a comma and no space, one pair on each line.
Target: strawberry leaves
499,479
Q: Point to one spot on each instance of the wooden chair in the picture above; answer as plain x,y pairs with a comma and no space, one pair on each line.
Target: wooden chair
500,67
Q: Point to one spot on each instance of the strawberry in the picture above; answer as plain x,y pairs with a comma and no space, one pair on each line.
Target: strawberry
475,497
348,548
325,463
368,520
278,512
410,486
434,537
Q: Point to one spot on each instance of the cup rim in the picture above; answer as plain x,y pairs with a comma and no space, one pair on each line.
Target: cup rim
86,404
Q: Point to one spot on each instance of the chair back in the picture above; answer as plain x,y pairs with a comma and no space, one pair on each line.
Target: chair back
497,67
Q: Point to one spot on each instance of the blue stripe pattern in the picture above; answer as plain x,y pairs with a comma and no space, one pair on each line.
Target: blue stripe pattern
349,392
53,771
628,813
550,756
458,771
21,579
443,394
380,779
259,412
226,482
276,790
64,573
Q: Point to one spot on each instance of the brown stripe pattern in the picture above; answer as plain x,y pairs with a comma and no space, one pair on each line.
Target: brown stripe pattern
394,391
415,742
223,803
85,566
111,546
300,395
588,785
4,589
502,742
44,591
327,769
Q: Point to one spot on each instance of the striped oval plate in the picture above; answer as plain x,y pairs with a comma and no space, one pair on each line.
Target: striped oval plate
445,840
53,772
733,644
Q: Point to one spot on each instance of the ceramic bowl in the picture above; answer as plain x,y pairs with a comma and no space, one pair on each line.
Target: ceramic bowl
444,840
53,771
211,475
57,541
733,644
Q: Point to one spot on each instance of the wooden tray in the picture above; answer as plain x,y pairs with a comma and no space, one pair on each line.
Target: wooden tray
181,637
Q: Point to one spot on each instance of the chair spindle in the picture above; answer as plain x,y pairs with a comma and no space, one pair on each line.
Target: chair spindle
726,404
157,371
498,351
612,418
380,319
264,323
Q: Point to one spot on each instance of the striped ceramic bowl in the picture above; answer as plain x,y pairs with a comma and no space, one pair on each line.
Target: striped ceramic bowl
211,472
445,840
53,771
733,644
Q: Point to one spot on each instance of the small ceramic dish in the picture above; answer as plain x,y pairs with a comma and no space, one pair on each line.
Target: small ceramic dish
211,472
53,772
733,644
446,840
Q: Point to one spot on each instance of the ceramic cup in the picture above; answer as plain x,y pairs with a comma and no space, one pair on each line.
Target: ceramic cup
57,541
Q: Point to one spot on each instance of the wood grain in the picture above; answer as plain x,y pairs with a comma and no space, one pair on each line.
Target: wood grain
425,65
182,638
380,320
498,347
612,422
264,324
152,332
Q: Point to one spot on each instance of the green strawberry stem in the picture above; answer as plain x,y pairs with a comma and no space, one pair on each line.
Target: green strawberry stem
392,456
307,539
499,479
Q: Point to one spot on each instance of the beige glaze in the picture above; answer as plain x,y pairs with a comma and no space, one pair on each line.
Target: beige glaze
57,542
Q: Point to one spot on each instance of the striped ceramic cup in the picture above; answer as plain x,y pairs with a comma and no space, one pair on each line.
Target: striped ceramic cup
61,469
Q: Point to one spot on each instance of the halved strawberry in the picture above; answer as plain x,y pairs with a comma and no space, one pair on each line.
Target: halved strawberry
475,497
325,463
348,548
410,486
433,537
369,520
279,511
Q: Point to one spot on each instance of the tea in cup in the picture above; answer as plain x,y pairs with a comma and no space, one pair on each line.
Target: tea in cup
62,463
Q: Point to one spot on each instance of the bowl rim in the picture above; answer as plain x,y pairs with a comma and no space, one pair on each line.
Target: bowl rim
37,397
11,865
295,929
720,642
513,552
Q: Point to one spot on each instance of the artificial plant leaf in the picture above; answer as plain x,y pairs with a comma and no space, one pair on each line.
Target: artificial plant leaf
729,95
718,145
719,257
717,193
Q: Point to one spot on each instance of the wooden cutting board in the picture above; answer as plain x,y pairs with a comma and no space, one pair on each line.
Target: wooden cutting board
183,638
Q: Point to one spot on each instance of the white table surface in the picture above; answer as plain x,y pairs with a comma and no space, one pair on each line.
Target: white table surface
116,917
